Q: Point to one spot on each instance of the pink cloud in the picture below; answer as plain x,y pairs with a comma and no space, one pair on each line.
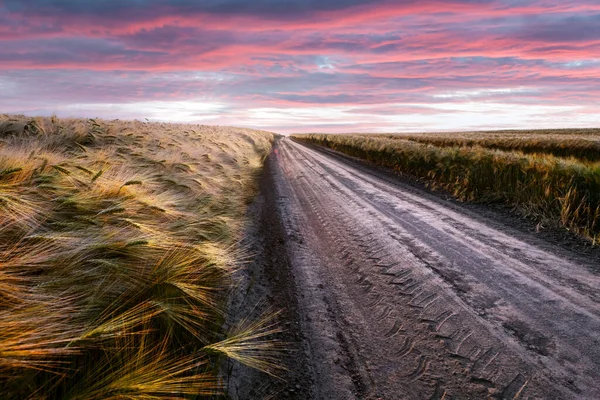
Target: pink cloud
374,57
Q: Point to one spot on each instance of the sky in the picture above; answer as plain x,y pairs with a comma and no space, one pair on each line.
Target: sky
306,65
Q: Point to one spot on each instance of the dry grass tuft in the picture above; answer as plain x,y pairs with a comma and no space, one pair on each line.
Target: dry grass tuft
117,243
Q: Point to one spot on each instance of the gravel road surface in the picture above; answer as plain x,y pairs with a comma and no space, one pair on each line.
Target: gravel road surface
402,296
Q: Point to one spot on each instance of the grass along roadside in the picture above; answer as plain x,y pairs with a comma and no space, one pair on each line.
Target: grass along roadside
583,144
117,242
551,189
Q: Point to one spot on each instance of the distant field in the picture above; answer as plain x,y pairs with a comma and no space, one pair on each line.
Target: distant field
583,144
117,241
550,175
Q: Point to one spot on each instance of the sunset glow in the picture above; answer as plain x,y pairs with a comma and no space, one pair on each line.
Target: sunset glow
298,66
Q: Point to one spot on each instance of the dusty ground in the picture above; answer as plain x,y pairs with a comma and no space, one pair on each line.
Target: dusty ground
267,284
393,292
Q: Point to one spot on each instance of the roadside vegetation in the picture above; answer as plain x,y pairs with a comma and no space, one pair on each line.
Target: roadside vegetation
548,176
582,144
117,244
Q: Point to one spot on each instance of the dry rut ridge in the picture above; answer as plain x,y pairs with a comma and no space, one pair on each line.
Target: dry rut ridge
404,296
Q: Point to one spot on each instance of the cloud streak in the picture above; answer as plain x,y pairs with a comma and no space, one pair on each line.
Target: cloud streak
375,65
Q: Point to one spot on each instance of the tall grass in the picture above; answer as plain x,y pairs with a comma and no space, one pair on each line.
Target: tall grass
551,189
580,144
117,243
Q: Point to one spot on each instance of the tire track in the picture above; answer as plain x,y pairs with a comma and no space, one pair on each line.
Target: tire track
402,322
418,297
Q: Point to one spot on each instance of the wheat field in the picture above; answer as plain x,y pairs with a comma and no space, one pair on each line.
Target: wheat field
117,243
583,144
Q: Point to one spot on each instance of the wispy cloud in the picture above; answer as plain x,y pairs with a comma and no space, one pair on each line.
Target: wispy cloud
340,65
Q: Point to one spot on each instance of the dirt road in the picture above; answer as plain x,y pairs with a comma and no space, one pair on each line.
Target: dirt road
403,295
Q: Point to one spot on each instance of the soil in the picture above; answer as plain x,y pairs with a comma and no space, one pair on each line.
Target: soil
392,291
266,284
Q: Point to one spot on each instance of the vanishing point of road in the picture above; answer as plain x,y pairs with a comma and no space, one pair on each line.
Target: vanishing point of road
404,295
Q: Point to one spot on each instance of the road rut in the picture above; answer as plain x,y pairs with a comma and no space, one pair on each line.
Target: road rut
405,297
